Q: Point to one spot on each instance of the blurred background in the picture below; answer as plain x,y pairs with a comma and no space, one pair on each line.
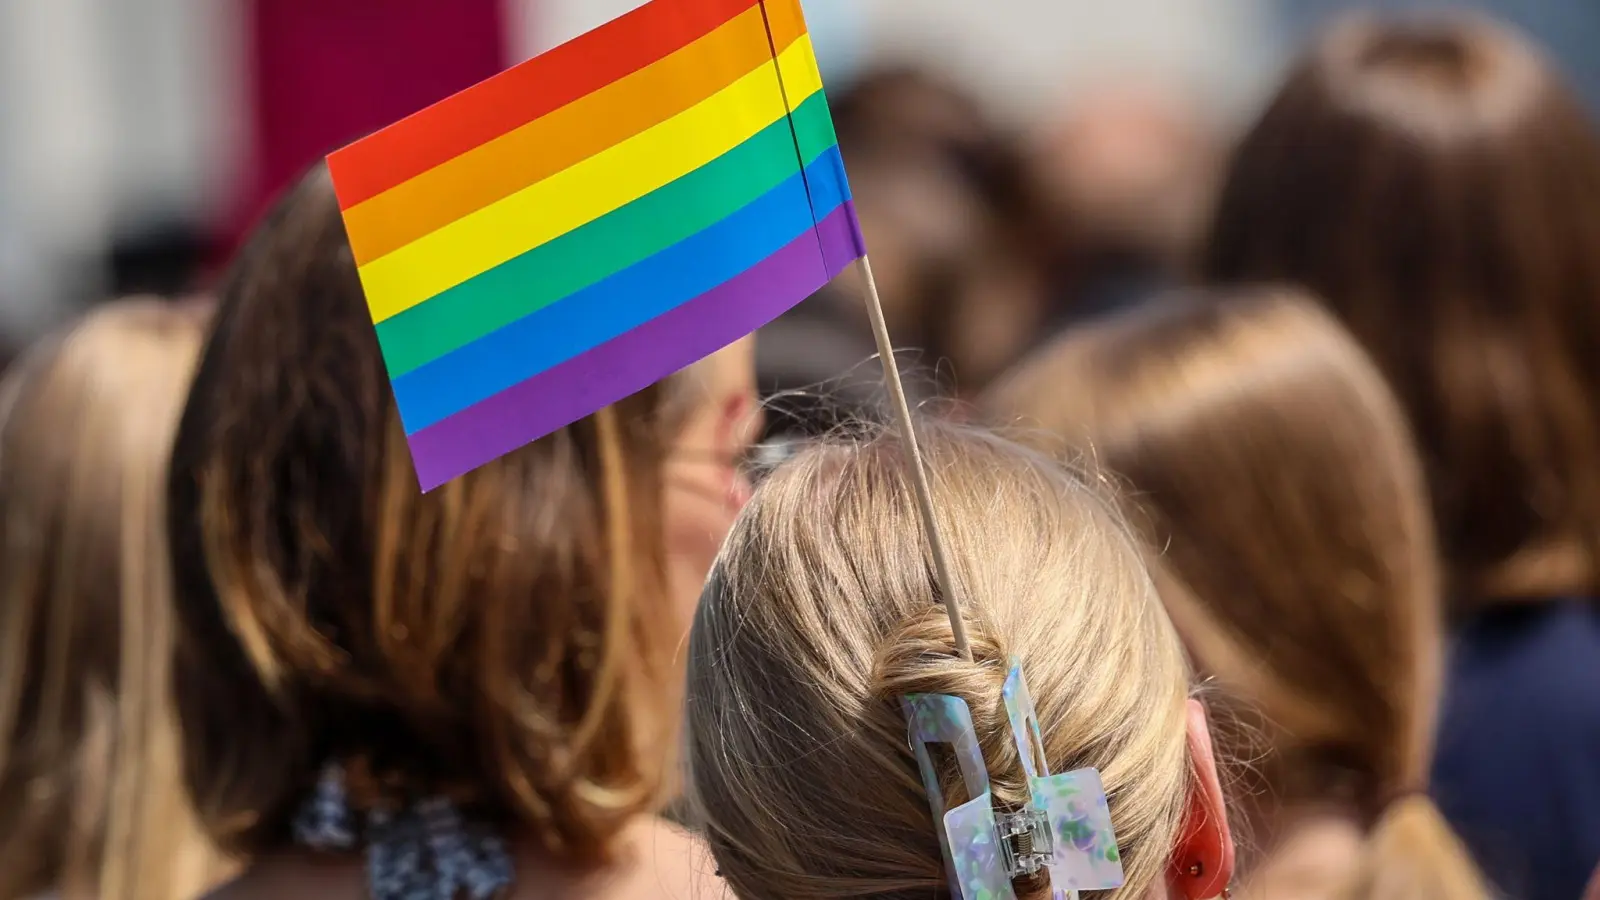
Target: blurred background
1064,147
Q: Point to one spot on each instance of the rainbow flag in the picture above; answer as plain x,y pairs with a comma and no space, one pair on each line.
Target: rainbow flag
584,224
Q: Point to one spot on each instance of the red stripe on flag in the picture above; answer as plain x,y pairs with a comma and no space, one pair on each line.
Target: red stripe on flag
522,93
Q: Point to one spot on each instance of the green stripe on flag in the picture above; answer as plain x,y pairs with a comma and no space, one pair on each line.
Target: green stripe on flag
622,238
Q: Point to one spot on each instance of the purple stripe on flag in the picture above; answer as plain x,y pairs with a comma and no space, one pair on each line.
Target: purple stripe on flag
629,363
840,236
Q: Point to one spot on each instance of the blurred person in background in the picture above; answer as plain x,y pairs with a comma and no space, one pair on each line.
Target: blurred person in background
471,692
958,248
91,799
957,232
1128,175
1439,187
1570,29
815,365
1271,467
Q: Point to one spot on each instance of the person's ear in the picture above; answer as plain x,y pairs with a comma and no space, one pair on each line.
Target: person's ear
1202,863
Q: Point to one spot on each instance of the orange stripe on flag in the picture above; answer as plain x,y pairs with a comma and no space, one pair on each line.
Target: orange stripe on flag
559,140
521,94
786,20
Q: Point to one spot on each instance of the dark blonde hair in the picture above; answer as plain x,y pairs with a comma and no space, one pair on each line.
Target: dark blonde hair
503,641
91,802
1438,187
822,612
1269,463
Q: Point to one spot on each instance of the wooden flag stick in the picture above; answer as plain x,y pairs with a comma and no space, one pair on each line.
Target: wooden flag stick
908,433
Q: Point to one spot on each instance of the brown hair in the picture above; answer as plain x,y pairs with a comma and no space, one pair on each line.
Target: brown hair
1268,460
91,802
962,238
821,613
503,640
1439,188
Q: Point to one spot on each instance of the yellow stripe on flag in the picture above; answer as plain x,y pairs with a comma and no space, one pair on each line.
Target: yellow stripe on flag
558,140
797,66
616,176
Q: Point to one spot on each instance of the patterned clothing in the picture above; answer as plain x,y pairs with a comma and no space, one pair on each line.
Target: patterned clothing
423,852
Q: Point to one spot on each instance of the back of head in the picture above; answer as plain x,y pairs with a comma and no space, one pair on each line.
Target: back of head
1128,171
91,804
1267,459
1438,187
960,235
822,612
501,642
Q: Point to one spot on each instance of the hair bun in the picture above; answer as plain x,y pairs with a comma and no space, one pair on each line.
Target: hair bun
920,657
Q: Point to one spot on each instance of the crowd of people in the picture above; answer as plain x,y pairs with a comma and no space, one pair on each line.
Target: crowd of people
1276,471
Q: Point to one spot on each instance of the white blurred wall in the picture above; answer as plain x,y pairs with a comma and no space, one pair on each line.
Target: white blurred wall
111,112
1022,55
116,111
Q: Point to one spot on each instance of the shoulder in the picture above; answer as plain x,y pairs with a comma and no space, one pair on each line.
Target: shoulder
1521,704
1543,655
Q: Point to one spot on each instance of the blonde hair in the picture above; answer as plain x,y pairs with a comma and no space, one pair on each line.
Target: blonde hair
821,613
91,800
1270,462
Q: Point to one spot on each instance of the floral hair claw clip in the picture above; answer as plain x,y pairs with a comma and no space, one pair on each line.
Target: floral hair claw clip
1065,829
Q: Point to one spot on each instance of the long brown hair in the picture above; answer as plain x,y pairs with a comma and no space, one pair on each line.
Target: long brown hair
1268,462
1439,187
822,612
91,803
503,641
